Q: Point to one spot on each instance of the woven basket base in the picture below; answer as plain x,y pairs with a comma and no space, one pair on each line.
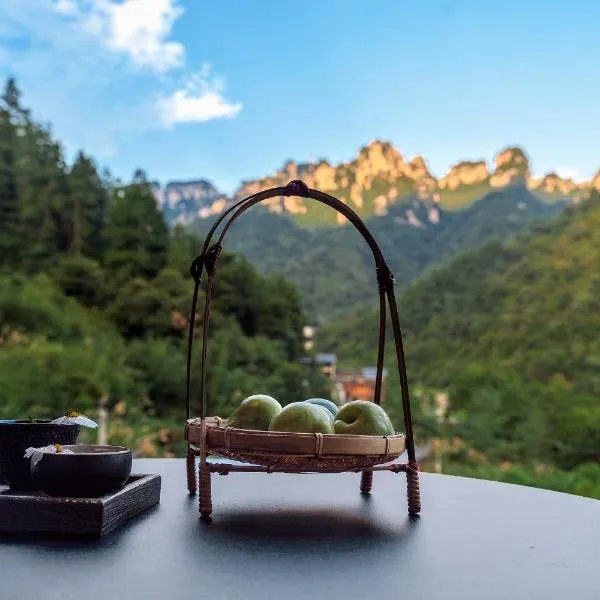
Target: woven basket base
298,452
328,464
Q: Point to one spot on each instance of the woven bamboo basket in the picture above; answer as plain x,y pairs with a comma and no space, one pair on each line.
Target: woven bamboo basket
272,451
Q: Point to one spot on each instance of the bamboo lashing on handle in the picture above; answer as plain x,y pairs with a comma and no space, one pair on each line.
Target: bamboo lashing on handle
318,445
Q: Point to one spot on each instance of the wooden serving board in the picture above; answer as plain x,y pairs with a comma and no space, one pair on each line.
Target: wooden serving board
35,512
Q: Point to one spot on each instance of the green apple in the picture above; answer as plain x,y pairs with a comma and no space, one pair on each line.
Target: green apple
255,412
361,417
328,404
302,417
327,413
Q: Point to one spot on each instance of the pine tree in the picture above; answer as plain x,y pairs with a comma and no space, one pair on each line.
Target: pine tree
10,240
88,205
12,95
43,192
136,236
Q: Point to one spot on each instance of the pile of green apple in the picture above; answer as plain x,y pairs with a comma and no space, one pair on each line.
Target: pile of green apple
315,415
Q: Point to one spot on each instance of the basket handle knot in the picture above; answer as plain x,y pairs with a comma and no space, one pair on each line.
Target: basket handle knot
385,278
196,268
296,188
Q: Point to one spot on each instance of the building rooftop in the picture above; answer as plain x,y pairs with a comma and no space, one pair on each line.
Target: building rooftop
371,372
319,359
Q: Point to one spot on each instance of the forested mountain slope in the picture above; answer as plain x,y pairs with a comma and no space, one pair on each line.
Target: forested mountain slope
333,267
512,332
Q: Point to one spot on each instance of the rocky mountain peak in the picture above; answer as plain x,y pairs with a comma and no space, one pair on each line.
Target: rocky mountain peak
512,166
552,183
418,169
373,182
511,156
379,158
183,201
464,173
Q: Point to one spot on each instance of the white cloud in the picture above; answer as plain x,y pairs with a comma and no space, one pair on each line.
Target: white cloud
140,29
96,68
66,7
201,99
569,173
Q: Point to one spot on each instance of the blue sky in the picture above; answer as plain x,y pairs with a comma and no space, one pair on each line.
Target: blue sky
230,89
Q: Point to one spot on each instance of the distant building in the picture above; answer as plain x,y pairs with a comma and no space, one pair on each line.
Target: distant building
358,384
325,362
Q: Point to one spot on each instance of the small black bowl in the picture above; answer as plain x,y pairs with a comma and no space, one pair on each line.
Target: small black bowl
17,436
90,472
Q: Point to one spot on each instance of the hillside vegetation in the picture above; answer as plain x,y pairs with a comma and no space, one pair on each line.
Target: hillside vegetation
511,332
333,267
95,294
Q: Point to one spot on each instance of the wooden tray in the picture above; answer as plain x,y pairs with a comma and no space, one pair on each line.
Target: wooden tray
35,512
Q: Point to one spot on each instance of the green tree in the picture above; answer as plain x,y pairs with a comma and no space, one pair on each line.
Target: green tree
44,199
45,378
82,278
236,291
10,239
141,308
12,96
184,247
158,365
136,236
280,315
38,172
35,305
177,288
88,204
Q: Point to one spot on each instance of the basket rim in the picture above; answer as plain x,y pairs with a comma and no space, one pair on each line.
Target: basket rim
210,423
326,446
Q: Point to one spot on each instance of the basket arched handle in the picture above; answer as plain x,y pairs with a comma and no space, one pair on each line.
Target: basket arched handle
209,256
385,281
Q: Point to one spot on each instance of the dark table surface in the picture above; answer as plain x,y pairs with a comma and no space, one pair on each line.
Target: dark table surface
314,537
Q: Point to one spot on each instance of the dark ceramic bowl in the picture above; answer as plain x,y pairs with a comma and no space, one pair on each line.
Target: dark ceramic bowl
17,436
2,481
90,472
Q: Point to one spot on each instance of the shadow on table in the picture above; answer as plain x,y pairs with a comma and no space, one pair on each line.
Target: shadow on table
303,524
280,529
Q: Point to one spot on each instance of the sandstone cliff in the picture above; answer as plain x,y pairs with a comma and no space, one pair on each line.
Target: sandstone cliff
377,178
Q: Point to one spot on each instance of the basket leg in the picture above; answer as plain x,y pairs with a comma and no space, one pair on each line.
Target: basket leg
413,489
190,465
366,482
205,491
